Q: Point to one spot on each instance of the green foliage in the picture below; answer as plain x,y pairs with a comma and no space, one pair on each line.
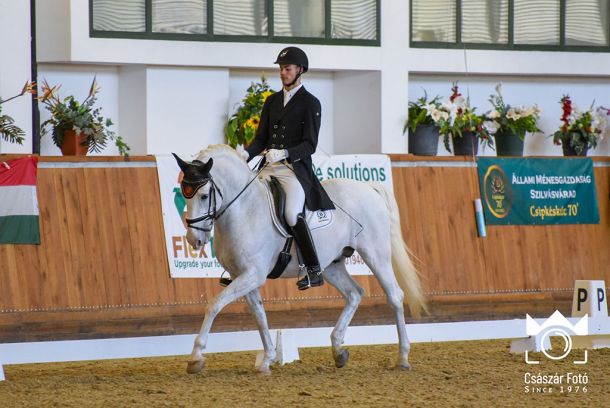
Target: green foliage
420,112
456,117
8,130
242,125
505,119
580,130
83,118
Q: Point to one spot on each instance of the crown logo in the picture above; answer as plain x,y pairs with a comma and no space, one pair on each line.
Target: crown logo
532,328
556,325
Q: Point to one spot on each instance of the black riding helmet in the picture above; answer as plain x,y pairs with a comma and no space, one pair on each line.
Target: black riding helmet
293,55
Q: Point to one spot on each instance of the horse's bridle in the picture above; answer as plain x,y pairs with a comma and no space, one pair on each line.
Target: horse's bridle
190,188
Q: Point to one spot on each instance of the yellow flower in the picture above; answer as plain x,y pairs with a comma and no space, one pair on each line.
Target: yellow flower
253,122
266,94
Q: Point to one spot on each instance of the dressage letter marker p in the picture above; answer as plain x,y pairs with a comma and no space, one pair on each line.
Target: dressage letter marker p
589,298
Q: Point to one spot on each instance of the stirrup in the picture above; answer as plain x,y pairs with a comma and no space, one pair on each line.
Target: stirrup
224,281
310,280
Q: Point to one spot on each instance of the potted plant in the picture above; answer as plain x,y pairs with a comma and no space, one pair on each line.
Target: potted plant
422,127
78,127
8,130
509,124
458,121
242,125
580,131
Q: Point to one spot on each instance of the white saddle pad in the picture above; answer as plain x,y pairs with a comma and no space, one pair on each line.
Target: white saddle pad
315,219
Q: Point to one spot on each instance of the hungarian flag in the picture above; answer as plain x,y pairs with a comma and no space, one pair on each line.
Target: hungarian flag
18,202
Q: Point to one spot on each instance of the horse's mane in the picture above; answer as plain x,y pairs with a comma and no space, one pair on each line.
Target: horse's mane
218,150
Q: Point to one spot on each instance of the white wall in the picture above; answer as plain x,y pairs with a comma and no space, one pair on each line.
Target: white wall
53,39
525,90
15,69
357,112
133,108
186,108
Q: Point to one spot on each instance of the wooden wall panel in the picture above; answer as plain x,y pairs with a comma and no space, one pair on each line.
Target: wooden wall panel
437,208
103,253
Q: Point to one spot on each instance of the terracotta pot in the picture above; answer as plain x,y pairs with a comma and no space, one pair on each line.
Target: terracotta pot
73,144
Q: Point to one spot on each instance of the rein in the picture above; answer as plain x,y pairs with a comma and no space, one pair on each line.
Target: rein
212,214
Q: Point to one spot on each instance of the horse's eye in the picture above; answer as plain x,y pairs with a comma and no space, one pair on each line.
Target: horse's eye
204,197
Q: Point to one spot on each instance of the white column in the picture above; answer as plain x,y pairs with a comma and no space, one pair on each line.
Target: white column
15,69
132,108
394,75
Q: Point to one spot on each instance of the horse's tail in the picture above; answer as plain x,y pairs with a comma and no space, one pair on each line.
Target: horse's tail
405,271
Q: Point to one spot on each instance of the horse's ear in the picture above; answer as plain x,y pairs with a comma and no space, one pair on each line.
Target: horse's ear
183,165
208,166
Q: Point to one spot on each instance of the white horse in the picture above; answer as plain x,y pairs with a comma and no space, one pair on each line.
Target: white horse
247,244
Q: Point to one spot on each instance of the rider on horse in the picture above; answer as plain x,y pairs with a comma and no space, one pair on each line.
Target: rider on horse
288,134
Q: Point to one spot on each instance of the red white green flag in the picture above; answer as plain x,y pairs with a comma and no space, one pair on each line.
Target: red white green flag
18,202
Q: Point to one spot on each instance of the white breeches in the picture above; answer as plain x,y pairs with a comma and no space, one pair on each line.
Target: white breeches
295,197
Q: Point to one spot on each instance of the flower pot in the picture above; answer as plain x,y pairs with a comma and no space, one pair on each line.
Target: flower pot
73,144
424,141
569,151
467,145
508,144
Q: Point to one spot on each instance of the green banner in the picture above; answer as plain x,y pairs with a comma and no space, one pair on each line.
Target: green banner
533,191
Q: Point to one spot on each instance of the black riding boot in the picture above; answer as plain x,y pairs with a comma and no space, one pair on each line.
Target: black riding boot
302,236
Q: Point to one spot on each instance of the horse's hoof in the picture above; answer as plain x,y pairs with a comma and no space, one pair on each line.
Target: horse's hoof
341,358
195,367
264,371
403,366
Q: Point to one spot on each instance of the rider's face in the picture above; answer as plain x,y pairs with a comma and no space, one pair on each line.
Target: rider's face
288,72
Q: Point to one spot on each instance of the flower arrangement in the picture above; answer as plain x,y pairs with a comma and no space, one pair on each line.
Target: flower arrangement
242,125
420,112
457,117
580,130
82,117
8,130
505,119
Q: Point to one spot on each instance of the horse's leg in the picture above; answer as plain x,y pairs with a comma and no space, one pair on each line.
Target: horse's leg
241,286
337,275
258,311
379,261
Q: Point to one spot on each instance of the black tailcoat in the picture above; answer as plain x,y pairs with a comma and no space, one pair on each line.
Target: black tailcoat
295,128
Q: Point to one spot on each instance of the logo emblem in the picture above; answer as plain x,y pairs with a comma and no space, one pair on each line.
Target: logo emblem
556,325
497,192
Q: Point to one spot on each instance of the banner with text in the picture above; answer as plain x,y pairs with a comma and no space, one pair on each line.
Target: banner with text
533,191
186,262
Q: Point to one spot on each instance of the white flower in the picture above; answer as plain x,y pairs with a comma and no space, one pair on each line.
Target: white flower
436,115
430,108
494,114
491,126
513,115
444,115
533,111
